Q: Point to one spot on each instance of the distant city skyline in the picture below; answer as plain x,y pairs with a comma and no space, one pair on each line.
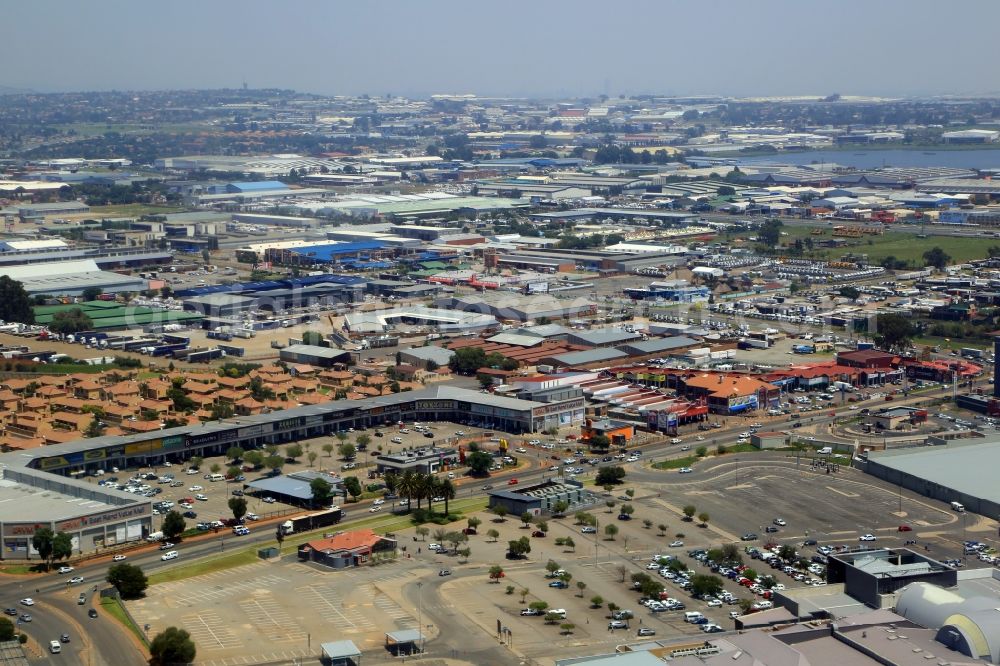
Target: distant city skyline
554,48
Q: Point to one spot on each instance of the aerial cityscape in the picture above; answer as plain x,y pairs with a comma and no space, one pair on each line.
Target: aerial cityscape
563,335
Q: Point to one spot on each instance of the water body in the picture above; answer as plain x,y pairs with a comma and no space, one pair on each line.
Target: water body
987,158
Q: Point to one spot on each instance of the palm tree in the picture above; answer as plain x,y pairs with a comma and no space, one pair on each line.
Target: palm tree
446,489
406,485
431,487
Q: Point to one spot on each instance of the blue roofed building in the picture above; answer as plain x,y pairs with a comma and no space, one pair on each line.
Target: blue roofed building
255,186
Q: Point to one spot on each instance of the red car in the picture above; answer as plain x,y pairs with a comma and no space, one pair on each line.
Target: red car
512,482
904,528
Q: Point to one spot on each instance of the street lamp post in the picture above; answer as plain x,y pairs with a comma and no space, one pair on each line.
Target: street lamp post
420,615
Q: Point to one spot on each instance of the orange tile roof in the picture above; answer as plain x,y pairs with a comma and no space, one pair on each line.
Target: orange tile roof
725,386
353,540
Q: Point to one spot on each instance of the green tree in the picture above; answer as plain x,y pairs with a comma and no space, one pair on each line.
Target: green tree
473,522
293,451
703,518
274,463
328,449
173,525
492,535
596,601
41,541
770,233
893,332
62,546
314,338
701,451
661,528
526,518
496,573
538,606
500,511
422,532
363,442
172,647
937,258
128,579
518,548
849,292
600,442
353,487
581,586
234,453
702,584
68,321
610,531
254,458
559,508
6,630
446,489
689,511
627,509
91,293
479,463
610,475
238,505
468,360
15,306
347,451
94,428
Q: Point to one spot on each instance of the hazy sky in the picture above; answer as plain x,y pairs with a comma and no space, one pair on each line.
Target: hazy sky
510,47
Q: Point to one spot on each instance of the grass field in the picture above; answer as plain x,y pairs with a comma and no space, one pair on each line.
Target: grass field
380,522
904,246
132,210
114,608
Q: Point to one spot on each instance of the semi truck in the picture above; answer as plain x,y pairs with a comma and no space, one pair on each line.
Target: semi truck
205,355
168,350
971,352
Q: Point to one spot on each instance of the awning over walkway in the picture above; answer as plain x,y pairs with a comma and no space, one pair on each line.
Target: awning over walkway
341,652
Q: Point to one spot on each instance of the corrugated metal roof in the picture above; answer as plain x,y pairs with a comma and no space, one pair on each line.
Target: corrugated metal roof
589,356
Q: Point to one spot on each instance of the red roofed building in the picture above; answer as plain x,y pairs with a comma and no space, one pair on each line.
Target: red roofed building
732,394
347,549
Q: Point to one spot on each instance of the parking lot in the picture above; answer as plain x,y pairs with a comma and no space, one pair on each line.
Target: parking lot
280,610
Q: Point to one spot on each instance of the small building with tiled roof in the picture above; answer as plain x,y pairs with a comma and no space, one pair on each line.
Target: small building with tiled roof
731,394
347,549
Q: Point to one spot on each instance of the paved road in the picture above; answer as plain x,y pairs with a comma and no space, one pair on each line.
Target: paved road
57,611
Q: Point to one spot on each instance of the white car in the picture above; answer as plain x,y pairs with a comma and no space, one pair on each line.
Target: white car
269,500
866,537
434,546
403,430
714,603
396,440
118,558
374,509
27,601
675,440
780,521
169,555
533,442
521,449
66,569
378,502
685,470
195,489
734,614
201,498
252,516
676,544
